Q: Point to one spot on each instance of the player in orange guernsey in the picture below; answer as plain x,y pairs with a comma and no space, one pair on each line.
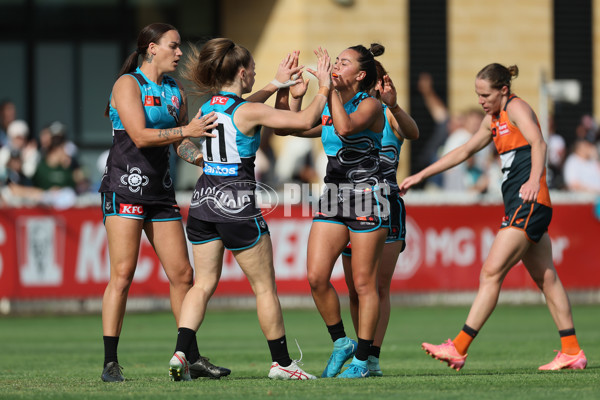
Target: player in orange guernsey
512,125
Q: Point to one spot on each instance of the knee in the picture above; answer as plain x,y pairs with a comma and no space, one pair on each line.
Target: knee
121,278
181,276
317,281
490,275
384,292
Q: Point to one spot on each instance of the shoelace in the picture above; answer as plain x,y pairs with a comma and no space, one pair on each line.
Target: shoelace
116,367
298,362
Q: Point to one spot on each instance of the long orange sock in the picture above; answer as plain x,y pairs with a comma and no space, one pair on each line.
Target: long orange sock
462,342
570,345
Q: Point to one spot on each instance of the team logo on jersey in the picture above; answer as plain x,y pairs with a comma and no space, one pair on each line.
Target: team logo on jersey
131,209
326,120
236,200
220,169
503,129
218,100
134,180
175,101
152,101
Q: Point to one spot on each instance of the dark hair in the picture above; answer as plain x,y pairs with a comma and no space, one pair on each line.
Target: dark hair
149,34
366,61
213,66
381,72
498,75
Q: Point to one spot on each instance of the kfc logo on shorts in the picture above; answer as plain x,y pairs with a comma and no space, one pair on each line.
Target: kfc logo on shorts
219,100
175,101
131,209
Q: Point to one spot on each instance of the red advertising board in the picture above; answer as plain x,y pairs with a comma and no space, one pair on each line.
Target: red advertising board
47,253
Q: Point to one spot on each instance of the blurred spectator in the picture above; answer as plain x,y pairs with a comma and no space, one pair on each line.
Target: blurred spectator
14,170
556,157
295,162
582,168
8,113
460,129
450,132
59,167
587,128
18,140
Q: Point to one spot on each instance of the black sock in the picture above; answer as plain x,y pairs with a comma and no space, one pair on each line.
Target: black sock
336,331
469,331
279,351
566,332
110,349
363,349
375,351
194,353
185,337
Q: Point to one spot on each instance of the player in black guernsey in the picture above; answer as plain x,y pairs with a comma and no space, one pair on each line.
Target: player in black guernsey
148,111
223,212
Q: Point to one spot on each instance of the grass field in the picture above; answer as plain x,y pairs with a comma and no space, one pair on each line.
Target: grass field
60,357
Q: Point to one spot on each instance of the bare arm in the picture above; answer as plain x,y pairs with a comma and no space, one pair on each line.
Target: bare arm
434,104
126,99
367,115
403,125
250,115
477,142
287,68
521,115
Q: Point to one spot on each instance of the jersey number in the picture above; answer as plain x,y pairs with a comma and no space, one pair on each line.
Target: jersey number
222,147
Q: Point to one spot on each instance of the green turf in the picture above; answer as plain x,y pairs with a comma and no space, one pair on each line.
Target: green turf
60,357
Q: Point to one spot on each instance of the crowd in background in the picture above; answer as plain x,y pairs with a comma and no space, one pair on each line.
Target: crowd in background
42,168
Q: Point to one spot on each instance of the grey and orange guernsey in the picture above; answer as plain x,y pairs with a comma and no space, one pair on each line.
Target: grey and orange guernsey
515,154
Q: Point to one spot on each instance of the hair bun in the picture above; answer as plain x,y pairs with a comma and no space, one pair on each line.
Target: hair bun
376,49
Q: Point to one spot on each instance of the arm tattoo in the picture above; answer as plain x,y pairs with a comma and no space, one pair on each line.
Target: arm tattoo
188,151
167,133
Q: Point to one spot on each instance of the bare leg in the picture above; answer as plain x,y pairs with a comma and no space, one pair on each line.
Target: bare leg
208,258
538,261
509,246
257,264
325,243
123,236
366,253
391,251
171,249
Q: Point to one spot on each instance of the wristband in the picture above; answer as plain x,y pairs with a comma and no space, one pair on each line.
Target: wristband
280,85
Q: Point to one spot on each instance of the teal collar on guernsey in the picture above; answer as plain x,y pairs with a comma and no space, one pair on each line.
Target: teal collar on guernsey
227,93
139,71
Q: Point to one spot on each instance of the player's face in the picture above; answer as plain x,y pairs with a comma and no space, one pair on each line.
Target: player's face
346,70
168,51
490,99
249,77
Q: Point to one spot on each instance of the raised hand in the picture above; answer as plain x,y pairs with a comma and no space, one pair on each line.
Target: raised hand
387,91
324,68
299,89
288,71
